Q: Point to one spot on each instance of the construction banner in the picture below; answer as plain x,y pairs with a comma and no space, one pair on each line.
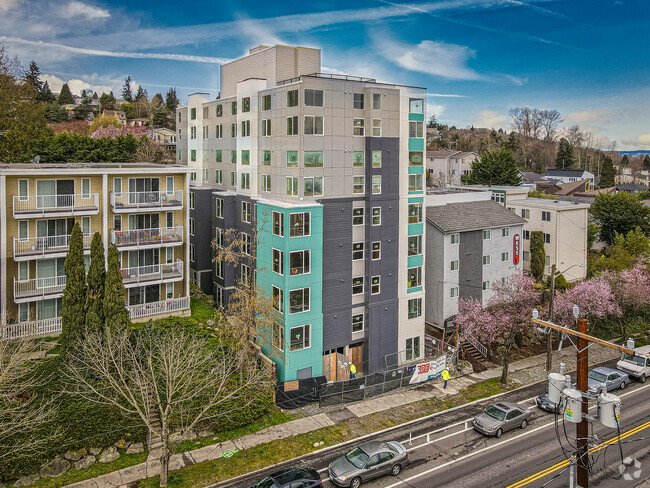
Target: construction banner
430,370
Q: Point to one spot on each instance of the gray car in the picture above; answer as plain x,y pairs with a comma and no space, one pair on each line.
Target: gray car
368,461
501,417
613,379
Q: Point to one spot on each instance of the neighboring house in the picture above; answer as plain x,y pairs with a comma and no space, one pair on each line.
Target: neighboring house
117,113
500,193
531,178
139,122
569,176
632,188
447,167
568,189
326,173
139,207
470,246
642,177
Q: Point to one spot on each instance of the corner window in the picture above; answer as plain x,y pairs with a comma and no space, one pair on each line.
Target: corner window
278,299
376,101
359,101
313,98
278,224
278,261
299,224
292,98
416,105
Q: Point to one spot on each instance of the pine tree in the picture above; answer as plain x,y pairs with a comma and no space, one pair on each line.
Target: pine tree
646,163
537,254
115,312
106,102
625,161
607,172
127,95
495,168
46,94
141,93
157,101
65,96
565,158
96,279
73,313
33,76
171,100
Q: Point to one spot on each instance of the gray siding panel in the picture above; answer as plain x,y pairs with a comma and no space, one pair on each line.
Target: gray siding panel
470,271
435,275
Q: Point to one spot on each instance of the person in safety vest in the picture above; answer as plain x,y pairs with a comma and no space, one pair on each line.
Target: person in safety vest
353,371
445,376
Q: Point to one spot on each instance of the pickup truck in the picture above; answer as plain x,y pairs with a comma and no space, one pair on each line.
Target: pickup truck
637,366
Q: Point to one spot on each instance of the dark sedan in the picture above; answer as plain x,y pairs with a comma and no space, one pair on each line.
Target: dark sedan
368,461
291,478
501,417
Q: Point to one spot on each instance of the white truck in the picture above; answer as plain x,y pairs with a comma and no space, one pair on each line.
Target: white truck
637,366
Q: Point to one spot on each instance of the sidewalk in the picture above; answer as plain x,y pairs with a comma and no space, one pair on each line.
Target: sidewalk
524,371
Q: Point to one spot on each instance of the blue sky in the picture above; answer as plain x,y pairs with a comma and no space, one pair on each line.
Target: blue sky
477,58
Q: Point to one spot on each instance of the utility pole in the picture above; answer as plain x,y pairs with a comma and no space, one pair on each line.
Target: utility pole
549,342
582,429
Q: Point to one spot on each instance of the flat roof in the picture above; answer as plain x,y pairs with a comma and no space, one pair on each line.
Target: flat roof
548,203
49,168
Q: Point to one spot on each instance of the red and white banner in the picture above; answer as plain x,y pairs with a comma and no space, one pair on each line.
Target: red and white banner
515,249
429,371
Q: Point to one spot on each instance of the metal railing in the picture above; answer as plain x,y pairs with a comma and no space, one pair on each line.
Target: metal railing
39,287
154,272
157,308
477,345
41,246
45,204
127,201
32,328
146,237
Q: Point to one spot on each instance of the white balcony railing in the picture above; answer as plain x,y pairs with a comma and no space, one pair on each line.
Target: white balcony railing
33,328
50,204
158,308
39,287
131,201
154,272
147,237
42,246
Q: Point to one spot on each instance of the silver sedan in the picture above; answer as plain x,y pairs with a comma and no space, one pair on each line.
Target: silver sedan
501,417
368,461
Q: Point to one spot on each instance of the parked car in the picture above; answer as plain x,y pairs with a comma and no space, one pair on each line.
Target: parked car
637,366
544,402
368,461
501,417
291,478
613,378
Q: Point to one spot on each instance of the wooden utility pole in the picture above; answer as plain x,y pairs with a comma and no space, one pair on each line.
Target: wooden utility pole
549,342
582,429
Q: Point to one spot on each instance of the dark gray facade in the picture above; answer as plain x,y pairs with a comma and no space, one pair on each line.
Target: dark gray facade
201,266
470,270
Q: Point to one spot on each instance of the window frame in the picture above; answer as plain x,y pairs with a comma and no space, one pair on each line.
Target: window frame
306,341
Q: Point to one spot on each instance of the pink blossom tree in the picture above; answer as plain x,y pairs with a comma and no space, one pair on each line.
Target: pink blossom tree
506,315
631,289
112,132
594,297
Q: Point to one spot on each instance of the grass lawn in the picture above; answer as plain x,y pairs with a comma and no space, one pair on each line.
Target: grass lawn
201,310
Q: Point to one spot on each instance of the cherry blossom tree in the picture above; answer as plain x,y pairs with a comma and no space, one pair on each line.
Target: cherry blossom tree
631,289
594,297
506,316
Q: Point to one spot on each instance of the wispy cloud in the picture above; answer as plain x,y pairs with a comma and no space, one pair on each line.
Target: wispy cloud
76,85
445,95
8,4
491,119
79,9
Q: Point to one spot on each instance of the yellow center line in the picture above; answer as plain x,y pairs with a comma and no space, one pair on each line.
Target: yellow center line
562,464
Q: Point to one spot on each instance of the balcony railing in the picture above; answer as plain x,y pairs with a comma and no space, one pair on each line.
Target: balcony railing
155,272
39,287
46,246
158,308
33,328
40,205
148,200
147,237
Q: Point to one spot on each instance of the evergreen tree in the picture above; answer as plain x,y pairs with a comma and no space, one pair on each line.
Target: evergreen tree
619,213
46,94
495,168
65,96
73,313
127,95
106,102
55,113
95,96
157,101
115,312
625,161
83,110
141,93
537,254
565,158
96,279
33,76
171,100
607,171
646,163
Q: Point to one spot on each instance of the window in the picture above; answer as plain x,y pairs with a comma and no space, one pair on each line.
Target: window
357,251
292,98
455,238
376,101
85,187
357,215
117,186
505,256
245,156
415,182
358,184
376,184
278,224
416,106
358,158
266,182
246,211
193,176
266,102
233,130
218,156
266,127
192,200
359,101
313,186
525,213
547,260
487,234
487,259
299,262
504,280
245,181
547,238
376,250
278,335
193,114
313,125
454,265
192,132
376,159
546,216
192,253
526,256
415,245
204,175
313,98
526,234
357,285
246,244
233,108
313,159
413,348
245,274
233,178
414,276
299,300
505,232
246,104
453,292
376,127
219,112
218,237
179,116
415,129
414,308
376,215
117,222
23,227
23,312
357,322
292,186
278,261
266,158
415,213
498,197
299,337
218,208
278,299
299,224
486,285
292,158
374,285
218,176
206,132
191,226
359,127
415,158
23,271
193,156
245,128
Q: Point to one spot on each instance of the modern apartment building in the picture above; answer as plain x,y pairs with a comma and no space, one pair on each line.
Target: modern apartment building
323,176
448,167
139,207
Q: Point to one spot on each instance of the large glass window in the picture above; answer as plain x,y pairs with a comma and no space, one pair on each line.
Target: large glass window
415,158
313,186
415,213
266,102
415,182
299,337
313,159
313,125
299,224
292,158
415,129
414,276
299,300
313,98
414,308
416,106
415,245
292,98
359,101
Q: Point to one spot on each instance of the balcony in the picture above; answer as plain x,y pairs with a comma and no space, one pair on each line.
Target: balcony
32,328
146,200
155,273
46,247
158,308
55,205
127,240
38,289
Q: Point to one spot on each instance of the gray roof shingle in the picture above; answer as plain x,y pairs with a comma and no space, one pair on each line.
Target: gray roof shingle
461,217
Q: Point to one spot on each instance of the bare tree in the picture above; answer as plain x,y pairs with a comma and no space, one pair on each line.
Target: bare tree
170,379
550,121
574,135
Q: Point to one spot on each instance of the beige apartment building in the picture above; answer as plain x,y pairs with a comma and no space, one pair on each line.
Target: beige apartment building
139,207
